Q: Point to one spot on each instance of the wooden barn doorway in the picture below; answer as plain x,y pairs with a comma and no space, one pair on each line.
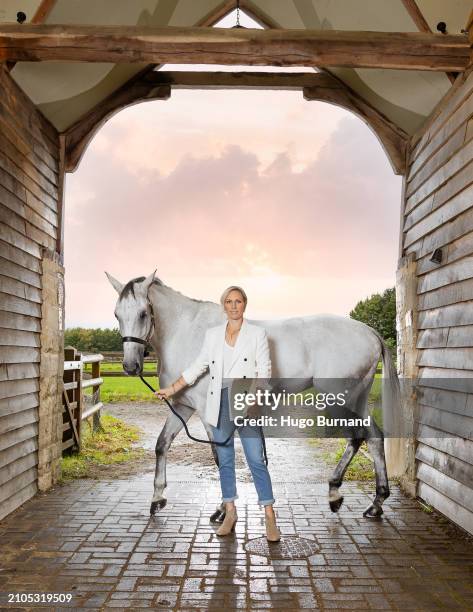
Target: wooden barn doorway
434,157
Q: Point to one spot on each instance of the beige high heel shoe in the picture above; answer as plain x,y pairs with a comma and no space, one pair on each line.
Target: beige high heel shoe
228,524
272,532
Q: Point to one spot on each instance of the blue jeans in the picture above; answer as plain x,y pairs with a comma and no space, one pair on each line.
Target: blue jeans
252,443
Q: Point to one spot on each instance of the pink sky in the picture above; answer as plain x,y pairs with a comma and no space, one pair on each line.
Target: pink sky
293,200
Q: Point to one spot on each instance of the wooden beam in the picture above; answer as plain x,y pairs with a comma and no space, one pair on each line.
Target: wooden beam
469,23
79,135
43,11
261,17
217,13
40,16
416,15
422,25
136,44
241,80
392,138
246,6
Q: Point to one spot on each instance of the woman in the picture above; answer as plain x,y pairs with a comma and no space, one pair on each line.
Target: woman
236,349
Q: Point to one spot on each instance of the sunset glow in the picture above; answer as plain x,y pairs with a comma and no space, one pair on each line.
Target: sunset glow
294,200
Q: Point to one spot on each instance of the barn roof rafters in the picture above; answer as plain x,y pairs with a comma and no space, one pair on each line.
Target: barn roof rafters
65,92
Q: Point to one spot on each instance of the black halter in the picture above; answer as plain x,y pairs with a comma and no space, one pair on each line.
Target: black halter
148,336
133,339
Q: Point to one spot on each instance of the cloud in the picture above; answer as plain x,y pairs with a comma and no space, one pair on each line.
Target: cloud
227,214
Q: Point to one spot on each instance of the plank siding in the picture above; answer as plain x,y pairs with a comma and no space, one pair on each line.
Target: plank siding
438,213
29,179
443,463
453,446
461,291
453,251
449,423
444,110
445,336
438,159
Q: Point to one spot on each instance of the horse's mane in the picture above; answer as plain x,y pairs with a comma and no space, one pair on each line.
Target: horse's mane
129,288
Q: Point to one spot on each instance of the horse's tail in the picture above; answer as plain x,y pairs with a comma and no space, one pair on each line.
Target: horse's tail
391,392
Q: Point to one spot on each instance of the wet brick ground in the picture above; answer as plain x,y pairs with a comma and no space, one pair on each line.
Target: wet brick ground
94,539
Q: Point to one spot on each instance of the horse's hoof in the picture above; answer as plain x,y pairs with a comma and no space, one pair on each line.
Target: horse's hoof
336,504
217,516
373,511
157,505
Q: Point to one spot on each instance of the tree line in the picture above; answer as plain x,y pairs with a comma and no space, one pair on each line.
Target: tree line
377,311
93,340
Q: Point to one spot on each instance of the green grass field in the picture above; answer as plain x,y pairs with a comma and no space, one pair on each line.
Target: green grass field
131,388
127,389
124,388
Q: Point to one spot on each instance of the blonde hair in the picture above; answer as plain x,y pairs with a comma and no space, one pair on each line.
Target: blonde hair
228,290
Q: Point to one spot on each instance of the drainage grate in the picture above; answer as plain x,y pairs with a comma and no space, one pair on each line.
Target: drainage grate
289,547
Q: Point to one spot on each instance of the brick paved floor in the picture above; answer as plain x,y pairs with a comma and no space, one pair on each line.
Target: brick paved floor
94,539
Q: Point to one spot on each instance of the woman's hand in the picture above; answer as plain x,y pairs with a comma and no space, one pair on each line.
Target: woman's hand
165,393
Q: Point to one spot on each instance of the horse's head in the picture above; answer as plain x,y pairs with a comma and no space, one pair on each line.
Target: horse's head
135,318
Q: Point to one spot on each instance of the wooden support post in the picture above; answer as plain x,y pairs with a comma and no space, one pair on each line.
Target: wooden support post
61,198
401,451
96,395
79,399
50,410
72,397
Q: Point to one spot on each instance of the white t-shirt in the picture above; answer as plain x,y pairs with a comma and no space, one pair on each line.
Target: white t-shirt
227,361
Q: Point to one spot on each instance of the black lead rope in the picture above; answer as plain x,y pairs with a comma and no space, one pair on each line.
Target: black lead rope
189,435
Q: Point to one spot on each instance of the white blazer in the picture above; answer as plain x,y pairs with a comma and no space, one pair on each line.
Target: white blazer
250,360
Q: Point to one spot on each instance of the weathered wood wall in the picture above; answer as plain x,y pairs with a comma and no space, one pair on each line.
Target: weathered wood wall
438,213
29,196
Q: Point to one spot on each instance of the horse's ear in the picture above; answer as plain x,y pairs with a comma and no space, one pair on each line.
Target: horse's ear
117,285
147,282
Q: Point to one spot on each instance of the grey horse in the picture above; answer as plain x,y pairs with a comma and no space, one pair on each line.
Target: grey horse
310,349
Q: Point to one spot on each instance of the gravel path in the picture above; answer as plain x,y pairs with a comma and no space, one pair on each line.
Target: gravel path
290,460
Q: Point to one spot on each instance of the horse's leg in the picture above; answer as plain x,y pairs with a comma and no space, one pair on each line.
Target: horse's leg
219,514
376,449
335,498
354,443
171,428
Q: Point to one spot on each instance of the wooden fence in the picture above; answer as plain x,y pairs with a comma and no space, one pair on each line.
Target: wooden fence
117,356
75,409
111,356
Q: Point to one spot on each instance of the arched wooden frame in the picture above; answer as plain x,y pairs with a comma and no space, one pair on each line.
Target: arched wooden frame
156,85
